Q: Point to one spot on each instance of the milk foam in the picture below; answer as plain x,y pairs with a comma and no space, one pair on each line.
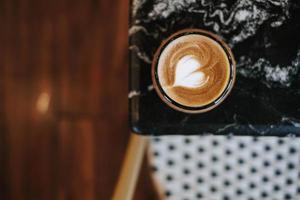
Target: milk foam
186,73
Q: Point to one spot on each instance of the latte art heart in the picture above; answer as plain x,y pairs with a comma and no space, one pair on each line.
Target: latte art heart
193,70
186,74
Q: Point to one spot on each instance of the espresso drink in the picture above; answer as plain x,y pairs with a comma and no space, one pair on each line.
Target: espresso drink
193,71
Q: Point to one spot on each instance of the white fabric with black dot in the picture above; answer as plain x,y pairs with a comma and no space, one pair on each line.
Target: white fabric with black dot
221,168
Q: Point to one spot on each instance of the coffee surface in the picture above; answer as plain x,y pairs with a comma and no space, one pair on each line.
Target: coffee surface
193,70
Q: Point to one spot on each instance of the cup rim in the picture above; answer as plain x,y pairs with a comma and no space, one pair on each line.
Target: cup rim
172,103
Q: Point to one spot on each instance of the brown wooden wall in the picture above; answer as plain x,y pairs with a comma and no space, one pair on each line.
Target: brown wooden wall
63,99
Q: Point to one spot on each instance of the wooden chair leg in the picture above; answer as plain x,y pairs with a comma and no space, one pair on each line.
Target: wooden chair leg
131,167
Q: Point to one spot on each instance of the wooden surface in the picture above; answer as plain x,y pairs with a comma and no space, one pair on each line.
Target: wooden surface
63,99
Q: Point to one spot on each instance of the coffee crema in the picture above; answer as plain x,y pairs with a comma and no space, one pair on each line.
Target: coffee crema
193,70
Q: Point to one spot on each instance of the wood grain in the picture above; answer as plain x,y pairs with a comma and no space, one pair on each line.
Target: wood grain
63,99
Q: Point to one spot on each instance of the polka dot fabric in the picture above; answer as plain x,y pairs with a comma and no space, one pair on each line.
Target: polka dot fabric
220,168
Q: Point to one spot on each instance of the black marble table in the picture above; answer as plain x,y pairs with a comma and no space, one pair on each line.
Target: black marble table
265,39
